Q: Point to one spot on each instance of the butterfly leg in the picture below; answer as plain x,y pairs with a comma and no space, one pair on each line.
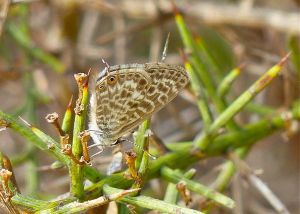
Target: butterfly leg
106,65
94,145
97,153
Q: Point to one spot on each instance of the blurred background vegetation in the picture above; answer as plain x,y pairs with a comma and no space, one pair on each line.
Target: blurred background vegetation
43,43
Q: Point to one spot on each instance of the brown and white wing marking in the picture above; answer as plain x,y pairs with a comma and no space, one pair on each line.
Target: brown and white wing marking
131,93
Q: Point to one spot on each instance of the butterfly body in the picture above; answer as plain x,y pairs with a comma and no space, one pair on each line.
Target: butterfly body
123,96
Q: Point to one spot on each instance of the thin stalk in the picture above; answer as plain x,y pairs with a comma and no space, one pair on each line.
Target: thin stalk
35,136
76,207
172,193
33,205
144,166
201,101
76,170
92,174
45,143
175,177
201,47
239,103
32,177
150,203
226,83
260,109
21,157
228,170
140,141
67,121
247,136
200,67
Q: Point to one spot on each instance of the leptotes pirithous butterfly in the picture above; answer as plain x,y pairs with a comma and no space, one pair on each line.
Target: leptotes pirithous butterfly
123,96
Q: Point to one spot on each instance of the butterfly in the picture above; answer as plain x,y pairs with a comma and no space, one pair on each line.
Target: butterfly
123,96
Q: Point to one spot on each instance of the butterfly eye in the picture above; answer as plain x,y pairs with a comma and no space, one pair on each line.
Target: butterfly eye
111,79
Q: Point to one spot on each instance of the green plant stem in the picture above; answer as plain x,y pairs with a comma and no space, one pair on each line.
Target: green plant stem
140,141
172,193
260,109
201,47
144,166
76,170
226,83
35,136
92,174
32,177
67,120
21,157
238,104
150,203
201,101
123,209
247,136
201,70
45,143
76,207
175,177
228,171
29,108
33,205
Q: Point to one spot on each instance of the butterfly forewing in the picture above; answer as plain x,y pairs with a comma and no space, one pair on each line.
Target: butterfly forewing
129,94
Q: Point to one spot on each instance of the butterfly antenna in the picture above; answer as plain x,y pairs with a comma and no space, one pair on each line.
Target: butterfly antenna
106,65
95,145
139,147
164,55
